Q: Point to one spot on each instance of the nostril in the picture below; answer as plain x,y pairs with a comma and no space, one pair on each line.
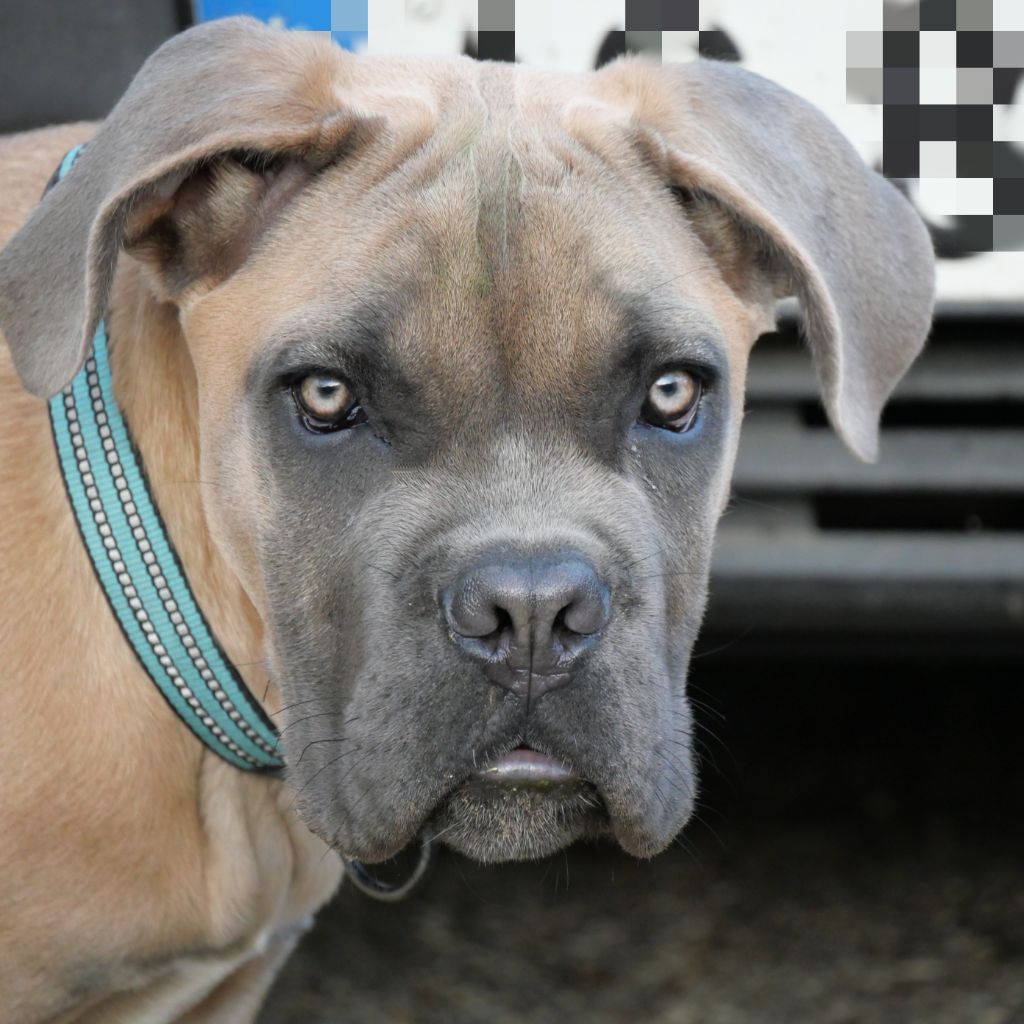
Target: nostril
590,612
470,612
503,620
498,637
569,640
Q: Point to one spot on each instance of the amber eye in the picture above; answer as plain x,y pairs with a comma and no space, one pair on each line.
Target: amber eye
673,400
326,403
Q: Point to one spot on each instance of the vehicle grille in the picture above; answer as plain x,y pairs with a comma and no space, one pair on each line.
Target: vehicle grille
930,539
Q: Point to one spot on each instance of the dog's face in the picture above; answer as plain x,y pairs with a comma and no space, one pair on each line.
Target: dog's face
470,392
524,399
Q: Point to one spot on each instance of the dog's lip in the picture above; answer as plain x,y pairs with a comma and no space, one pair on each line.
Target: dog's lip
525,766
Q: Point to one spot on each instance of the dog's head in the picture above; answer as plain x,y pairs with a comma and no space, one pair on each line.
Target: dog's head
470,343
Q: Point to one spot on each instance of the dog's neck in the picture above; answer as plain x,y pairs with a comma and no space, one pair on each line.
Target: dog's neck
162,411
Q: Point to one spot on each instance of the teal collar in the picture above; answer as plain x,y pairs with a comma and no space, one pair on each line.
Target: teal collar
146,587
140,572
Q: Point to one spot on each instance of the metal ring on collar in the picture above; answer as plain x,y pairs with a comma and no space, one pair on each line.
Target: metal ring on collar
369,884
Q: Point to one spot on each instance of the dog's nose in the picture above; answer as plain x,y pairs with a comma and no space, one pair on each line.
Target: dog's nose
528,619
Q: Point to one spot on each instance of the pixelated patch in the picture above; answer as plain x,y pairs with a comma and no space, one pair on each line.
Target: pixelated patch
940,78
947,75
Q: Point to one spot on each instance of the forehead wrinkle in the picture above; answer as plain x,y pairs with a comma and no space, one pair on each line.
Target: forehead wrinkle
671,326
327,336
497,172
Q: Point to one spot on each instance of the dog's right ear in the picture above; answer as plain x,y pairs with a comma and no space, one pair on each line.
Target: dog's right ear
220,126
782,202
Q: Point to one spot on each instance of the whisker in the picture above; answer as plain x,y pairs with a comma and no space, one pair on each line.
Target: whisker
295,704
313,743
665,575
718,839
322,768
703,704
637,561
705,265
306,718
723,647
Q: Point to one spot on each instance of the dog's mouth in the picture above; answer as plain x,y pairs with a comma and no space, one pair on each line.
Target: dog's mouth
521,805
525,766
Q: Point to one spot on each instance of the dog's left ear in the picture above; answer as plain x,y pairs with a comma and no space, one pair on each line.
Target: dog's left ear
765,171
220,127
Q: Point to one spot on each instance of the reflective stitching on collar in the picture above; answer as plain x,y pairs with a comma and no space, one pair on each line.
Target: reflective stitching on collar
140,571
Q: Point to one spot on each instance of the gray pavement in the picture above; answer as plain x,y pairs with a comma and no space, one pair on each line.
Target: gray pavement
860,859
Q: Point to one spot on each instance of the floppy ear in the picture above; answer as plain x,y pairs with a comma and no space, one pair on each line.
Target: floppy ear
217,129
762,168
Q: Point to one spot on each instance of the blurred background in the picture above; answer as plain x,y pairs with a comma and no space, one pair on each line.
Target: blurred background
860,680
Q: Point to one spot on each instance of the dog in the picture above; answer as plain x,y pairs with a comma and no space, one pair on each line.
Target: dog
436,368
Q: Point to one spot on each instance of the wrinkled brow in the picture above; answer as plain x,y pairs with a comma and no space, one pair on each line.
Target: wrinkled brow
353,340
668,330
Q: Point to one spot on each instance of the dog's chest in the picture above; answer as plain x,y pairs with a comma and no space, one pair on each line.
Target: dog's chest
166,993
262,877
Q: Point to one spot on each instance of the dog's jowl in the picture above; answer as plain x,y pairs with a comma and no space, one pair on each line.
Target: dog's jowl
436,370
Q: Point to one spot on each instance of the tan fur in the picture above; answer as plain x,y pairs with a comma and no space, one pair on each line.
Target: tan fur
134,862
140,870
142,879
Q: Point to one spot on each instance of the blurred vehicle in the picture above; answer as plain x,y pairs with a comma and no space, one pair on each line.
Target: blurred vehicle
920,553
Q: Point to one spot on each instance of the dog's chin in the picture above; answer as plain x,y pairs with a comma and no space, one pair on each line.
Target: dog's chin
495,823
520,805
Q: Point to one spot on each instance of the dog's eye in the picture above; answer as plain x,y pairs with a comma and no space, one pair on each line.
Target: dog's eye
673,400
326,403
